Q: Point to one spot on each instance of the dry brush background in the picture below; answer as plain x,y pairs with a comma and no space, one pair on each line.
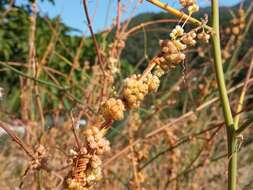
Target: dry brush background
55,88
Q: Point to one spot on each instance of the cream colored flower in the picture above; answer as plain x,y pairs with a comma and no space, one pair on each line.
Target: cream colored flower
113,109
177,32
187,3
134,91
152,81
204,37
193,9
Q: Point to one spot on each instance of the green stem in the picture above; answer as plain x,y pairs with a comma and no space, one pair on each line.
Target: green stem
231,135
32,78
39,180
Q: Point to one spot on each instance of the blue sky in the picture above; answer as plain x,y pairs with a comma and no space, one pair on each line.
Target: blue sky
72,13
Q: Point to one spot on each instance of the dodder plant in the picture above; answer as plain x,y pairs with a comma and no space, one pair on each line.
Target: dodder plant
103,106
229,120
87,167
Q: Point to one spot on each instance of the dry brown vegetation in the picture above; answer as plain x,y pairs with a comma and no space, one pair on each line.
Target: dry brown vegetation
152,130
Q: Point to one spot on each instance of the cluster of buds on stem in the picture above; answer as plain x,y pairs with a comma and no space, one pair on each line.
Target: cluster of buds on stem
237,24
96,141
87,163
135,88
115,49
191,5
172,50
187,3
134,91
170,55
189,39
152,81
86,170
113,109
204,37
234,31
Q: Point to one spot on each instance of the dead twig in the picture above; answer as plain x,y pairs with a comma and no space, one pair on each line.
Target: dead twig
100,60
15,138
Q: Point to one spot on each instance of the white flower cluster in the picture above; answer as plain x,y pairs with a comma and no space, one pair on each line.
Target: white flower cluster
96,141
177,32
237,24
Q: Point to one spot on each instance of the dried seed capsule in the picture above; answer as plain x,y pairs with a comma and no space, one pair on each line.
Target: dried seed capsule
241,20
88,132
226,54
241,12
93,145
235,21
241,26
228,31
235,30
96,140
193,34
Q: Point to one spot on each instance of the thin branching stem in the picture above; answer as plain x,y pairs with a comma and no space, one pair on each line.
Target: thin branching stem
15,138
100,60
179,14
243,94
32,78
244,126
